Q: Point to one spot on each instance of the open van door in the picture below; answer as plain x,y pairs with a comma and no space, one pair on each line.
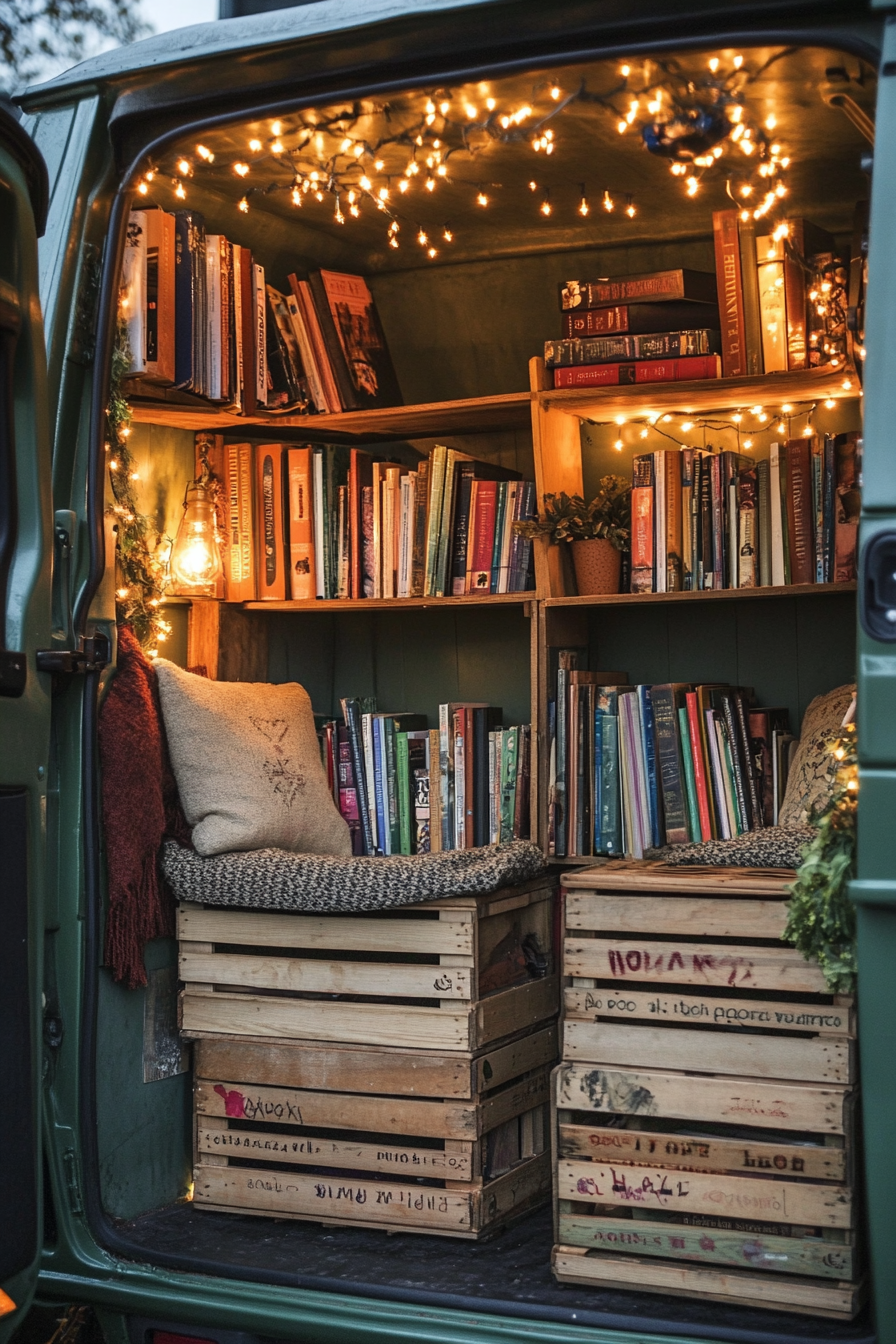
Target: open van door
25,607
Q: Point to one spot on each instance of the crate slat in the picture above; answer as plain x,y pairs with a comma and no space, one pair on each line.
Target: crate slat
326,977
811,1297
659,1005
707,964
719,1246
823,1060
690,916
344,933
323,1151
681,1096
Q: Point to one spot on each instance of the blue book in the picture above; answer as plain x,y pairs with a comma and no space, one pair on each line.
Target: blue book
610,811
379,786
188,226
648,748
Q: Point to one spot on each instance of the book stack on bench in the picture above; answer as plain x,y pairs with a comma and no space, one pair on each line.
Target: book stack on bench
705,1109
656,327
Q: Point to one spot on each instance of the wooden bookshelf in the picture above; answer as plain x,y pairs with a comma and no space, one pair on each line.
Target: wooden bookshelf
394,603
472,415
713,394
703,595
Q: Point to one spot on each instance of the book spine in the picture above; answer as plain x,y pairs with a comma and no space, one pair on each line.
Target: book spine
737,766
183,301
469,777
498,534
348,793
697,756
435,794
686,487
847,505
800,512
610,810
749,278
483,536
828,508
422,838
657,285
521,814
508,782
261,336
511,515
446,775
352,717
247,589
421,496
387,546
776,514
747,530
818,505
650,345
458,756
442,576
763,510
717,775
270,525
752,774
670,767
731,305
567,663
461,535
596,322
132,300
494,759
370,776
672,522
772,310
795,308
726,768
648,748
642,542
342,543
390,774
690,783
480,800
434,516
381,800
693,367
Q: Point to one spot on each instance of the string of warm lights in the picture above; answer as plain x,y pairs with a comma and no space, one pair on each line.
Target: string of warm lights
746,422
341,159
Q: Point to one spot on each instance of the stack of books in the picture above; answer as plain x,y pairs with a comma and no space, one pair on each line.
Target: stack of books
722,520
201,317
637,767
657,327
405,788
778,295
335,522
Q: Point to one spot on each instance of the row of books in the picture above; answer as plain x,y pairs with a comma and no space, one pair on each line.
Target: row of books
404,788
637,767
723,520
782,295
334,522
201,316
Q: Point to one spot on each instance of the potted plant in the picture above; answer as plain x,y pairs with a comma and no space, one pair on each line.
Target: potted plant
597,532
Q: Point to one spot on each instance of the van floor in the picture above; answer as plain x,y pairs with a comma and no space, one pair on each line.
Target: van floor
509,1275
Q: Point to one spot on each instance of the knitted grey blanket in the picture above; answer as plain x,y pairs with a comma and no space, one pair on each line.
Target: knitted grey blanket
276,879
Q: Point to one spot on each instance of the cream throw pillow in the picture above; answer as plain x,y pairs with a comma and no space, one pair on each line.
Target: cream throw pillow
248,766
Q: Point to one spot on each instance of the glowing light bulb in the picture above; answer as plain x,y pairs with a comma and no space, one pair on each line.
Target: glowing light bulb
608,203
431,253
748,443
444,108
666,419
366,183
241,169
430,106
490,104
555,92
296,196
631,209
255,146
686,425
618,445
625,71
546,203
383,193
643,434
482,199
807,431
183,167
121,592
738,62
277,147
471,111
830,403
622,127
771,122
276,127
422,238
244,206
714,64
584,207
393,241
205,153
179,192
142,188
746,190
403,185
379,165
693,186
448,236
786,408
780,427
195,562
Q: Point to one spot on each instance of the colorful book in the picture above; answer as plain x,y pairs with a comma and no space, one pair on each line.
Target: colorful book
665,700
731,304
269,522
647,371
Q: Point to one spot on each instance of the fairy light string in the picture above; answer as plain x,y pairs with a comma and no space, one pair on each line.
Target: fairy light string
381,156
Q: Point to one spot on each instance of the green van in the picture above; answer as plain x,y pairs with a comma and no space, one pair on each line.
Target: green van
464,265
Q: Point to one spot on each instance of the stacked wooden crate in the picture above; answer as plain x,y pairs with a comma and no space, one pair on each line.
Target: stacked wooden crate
387,1070
704,1111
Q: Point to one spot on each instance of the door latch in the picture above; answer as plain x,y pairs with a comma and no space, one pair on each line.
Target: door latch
877,587
92,656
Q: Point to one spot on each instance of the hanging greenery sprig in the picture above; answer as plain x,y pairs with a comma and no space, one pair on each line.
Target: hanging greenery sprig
822,920
139,573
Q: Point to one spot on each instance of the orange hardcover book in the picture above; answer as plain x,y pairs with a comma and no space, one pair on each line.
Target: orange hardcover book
239,561
159,367
302,579
673,521
269,531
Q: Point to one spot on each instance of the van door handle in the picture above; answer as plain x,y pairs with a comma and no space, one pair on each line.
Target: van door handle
877,587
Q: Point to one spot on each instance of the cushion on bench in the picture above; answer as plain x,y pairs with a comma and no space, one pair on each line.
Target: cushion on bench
277,879
772,847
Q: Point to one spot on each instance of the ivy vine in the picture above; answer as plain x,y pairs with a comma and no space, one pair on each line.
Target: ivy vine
822,919
140,573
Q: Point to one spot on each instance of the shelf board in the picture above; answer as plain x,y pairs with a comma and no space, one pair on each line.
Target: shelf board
768,390
474,415
394,603
702,595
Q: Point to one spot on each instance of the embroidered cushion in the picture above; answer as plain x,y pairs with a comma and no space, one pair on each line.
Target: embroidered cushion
248,766
813,767
273,880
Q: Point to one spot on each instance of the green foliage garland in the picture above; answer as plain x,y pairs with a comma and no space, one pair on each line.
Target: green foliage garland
139,573
822,920
569,518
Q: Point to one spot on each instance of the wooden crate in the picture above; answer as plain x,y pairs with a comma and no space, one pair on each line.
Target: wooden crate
451,975
271,1138
666,969
703,1116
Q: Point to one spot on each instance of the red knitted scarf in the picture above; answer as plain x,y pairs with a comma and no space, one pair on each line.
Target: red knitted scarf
140,806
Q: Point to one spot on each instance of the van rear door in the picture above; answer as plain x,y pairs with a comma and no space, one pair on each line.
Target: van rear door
25,618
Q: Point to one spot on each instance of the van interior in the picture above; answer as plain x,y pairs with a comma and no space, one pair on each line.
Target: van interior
496,192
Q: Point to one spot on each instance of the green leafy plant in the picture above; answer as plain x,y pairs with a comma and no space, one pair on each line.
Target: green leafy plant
822,920
568,518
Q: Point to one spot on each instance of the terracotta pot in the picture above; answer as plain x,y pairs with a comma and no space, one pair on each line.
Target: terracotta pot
598,565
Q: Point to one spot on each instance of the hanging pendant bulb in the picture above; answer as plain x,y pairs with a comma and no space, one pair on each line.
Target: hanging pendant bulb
195,564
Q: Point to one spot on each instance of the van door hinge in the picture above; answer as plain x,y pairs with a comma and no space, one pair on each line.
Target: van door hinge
72,1182
92,656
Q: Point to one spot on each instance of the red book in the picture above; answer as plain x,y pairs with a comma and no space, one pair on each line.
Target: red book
699,765
644,371
483,536
360,473
731,295
800,511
